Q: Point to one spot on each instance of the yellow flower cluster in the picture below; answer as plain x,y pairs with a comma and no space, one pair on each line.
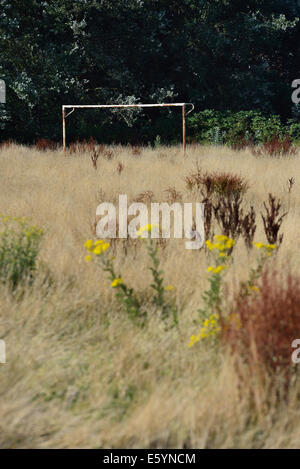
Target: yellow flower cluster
210,328
27,230
216,270
222,243
32,231
116,282
97,248
146,229
6,218
267,248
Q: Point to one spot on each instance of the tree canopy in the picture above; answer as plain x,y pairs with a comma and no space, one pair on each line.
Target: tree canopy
219,54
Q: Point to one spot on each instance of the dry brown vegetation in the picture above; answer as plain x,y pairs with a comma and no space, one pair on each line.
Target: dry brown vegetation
78,372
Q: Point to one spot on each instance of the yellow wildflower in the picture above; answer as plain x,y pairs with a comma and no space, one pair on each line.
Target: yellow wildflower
169,288
230,243
89,245
268,247
105,246
209,244
220,246
223,255
216,270
224,243
259,245
88,258
116,282
193,340
101,248
99,242
221,238
97,250
146,229
209,328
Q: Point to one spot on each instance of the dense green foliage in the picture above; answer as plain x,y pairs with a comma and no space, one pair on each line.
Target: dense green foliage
218,128
219,54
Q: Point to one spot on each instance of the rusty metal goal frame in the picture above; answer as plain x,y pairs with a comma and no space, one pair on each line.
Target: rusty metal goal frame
106,106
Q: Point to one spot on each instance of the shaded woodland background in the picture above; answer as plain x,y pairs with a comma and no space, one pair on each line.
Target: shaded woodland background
224,56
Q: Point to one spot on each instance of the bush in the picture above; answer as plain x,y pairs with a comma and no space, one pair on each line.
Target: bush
277,146
19,248
216,182
269,322
238,128
294,131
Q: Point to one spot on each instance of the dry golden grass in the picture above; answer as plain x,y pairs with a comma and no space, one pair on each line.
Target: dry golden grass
78,372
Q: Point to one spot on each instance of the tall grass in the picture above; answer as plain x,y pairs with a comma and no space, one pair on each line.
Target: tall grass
81,373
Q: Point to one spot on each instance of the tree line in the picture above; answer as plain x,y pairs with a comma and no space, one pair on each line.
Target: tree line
221,55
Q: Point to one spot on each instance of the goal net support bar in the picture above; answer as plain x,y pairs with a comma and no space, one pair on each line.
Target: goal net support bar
124,106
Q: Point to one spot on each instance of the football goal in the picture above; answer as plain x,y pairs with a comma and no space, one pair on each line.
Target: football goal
66,114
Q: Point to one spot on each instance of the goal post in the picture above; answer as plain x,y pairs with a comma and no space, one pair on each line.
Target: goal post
124,106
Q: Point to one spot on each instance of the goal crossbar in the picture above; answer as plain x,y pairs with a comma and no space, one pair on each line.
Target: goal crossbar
106,106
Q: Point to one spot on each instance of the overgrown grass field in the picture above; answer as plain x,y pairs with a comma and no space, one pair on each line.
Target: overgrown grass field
84,368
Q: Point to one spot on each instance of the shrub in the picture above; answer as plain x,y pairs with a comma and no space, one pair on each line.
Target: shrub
223,199
263,128
216,182
294,131
269,322
224,183
276,146
238,129
229,213
19,248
